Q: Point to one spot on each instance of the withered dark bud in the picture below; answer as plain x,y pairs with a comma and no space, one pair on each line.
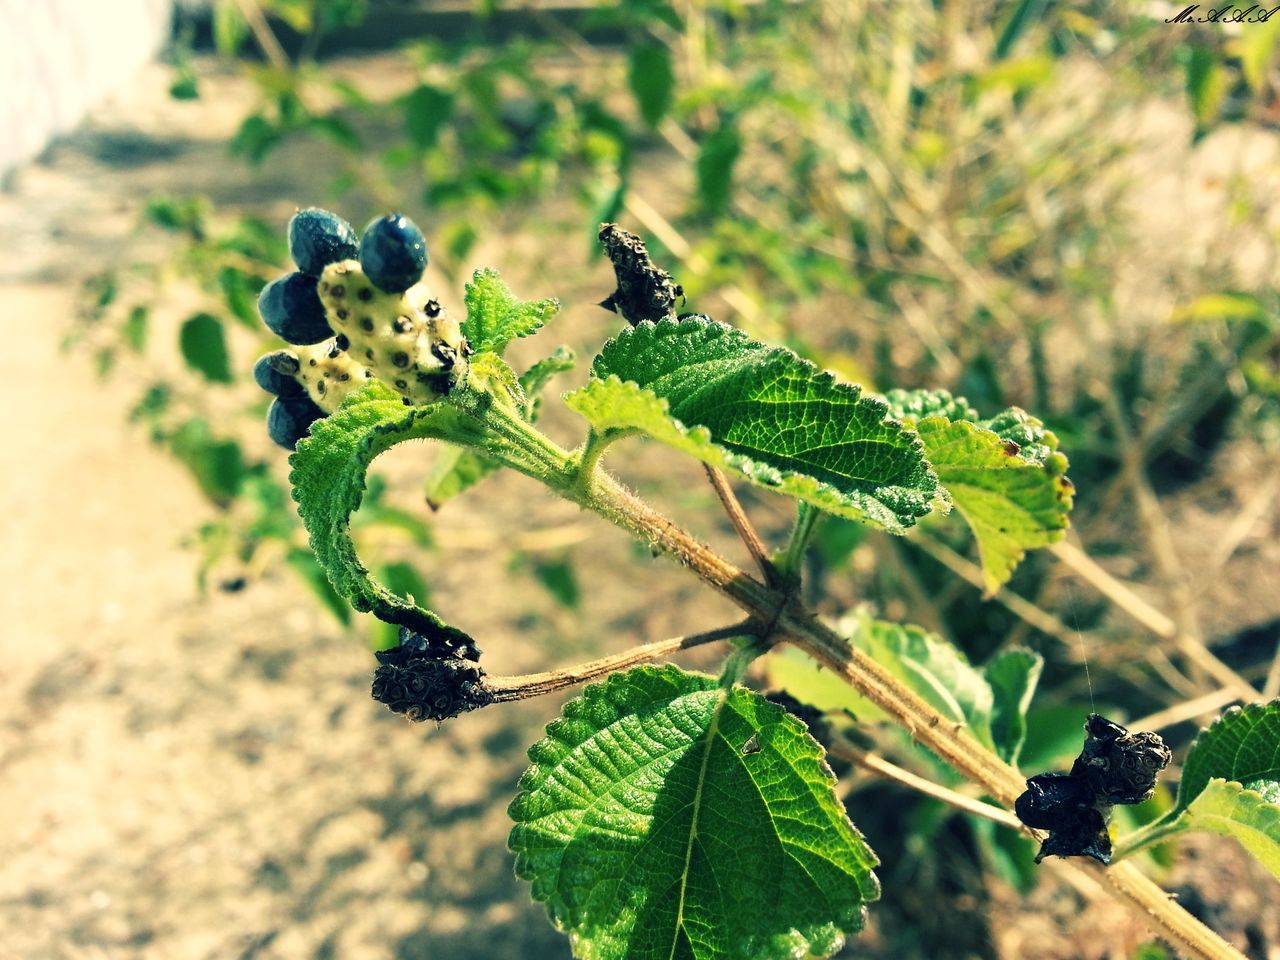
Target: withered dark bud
1120,766
1064,805
645,291
426,679
1113,767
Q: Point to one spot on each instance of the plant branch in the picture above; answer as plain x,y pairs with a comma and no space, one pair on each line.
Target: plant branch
529,685
742,523
1187,710
262,33
873,763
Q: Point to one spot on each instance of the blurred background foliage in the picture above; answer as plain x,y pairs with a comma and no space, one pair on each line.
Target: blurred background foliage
956,195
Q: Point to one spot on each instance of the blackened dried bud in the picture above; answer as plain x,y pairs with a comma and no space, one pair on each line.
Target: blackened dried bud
1113,767
416,646
431,689
1050,796
1122,767
645,291
1082,836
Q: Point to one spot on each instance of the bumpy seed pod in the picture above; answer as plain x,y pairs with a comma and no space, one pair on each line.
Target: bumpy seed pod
329,374
430,680
407,339
1120,766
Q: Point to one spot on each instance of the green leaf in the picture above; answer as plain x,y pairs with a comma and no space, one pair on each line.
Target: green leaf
136,328
1207,85
455,471
1242,745
1225,306
763,412
495,317
426,110
230,29
218,465
535,379
652,80
1230,785
304,564
666,817
559,580
328,480
1010,502
912,405
1228,808
716,159
1004,474
205,348
1013,676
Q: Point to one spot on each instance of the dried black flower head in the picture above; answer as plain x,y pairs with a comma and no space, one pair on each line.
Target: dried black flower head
645,291
1120,766
426,679
1114,766
1065,805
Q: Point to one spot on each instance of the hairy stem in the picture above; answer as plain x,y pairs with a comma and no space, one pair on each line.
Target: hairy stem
742,523
791,556
878,765
526,686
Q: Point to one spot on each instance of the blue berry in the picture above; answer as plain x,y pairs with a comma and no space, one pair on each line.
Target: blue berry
393,253
274,373
318,238
290,418
291,307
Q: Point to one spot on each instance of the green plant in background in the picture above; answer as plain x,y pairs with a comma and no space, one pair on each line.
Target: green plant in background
677,814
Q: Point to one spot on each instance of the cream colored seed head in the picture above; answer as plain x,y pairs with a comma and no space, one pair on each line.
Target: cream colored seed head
406,339
329,374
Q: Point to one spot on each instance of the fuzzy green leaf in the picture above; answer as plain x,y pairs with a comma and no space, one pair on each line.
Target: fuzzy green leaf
495,317
1242,745
664,817
1010,502
712,392
1230,785
1013,676
535,379
652,80
1004,474
204,347
1228,808
455,471
328,480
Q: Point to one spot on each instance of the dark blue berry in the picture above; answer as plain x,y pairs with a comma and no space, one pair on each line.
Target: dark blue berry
318,238
274,373
291,307
290,418
393,253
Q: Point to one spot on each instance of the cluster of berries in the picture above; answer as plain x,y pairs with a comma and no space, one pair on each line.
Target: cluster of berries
1115,766
354,310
